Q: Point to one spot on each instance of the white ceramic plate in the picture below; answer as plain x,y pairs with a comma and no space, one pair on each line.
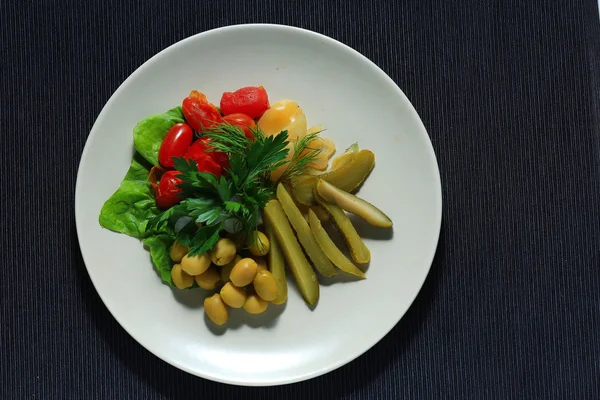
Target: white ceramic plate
356,102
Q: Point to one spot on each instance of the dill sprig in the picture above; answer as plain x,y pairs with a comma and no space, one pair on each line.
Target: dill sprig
303,156
228,139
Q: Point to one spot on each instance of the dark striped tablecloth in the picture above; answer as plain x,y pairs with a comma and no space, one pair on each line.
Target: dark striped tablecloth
510,94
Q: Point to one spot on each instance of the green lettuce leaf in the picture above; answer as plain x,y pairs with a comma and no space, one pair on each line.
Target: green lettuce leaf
149,133
132,205
159,246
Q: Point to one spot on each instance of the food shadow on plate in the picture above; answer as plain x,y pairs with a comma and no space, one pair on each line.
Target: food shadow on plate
368,231
239,317
190,298
194,299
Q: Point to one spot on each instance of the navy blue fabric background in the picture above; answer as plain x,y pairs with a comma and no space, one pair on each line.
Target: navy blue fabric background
509,92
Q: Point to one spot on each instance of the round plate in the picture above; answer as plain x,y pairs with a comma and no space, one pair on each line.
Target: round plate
356,102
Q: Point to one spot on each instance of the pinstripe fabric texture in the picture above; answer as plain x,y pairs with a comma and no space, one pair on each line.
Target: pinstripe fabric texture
510,94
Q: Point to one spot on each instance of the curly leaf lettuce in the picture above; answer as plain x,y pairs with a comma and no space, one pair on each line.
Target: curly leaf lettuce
132,205
159,246
130,208
149,133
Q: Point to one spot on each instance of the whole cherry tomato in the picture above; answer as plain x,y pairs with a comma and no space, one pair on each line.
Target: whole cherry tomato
199,113
243,121
207,164
154,176
201,147
167,192
252,101
176,142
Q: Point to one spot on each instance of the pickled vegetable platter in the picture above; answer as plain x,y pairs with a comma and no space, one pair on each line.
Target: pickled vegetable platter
228,199
369,128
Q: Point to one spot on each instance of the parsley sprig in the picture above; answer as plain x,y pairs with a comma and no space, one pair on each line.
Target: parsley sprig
239,195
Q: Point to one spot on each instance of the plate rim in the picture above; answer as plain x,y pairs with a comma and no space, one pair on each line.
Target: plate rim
411,109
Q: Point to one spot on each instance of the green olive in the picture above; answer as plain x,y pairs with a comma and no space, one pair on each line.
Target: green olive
254,304
223,252
195,265
216,309
208,279
259,245
266,286
180,278
226,269
233,296
178,251
243,272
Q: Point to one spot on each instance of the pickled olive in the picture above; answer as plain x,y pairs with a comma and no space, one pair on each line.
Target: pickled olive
216,309
266,286
358,250
353,204
305,276
195,265
335,255
276,265
254,304
259,244
305,236
233,296
178,251
223,252
243,272
180,278
345,157
348,177
226,269
208,279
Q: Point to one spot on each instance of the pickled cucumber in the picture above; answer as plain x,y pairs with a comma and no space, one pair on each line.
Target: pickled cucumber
305,276
358,250
335,255
305,236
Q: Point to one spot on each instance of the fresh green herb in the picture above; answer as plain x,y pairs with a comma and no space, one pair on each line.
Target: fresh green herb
236,197
303,156
230,138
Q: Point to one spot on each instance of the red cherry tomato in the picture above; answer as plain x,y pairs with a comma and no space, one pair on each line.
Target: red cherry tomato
252,101
207,164
199,113
199,149
243,121
167,192
175,144
156,173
